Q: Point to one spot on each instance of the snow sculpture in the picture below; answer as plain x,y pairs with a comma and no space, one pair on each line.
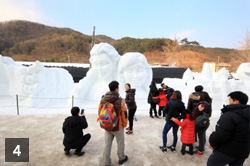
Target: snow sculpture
34,81
187,76
243,71
4,81
134,69
104,60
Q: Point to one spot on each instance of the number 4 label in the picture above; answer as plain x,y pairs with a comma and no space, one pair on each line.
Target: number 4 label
17,150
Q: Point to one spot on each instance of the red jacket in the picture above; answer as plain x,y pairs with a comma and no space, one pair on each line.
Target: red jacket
187,130
163,99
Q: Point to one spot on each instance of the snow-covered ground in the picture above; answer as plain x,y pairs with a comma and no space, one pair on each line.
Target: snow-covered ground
46,148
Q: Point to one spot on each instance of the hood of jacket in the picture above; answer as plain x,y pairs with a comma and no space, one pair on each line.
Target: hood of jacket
241,109
194,96
72,121
111,97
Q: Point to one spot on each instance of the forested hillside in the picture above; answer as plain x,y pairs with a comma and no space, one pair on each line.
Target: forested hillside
29,41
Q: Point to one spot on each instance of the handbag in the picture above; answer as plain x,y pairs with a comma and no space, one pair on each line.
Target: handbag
156,99
202,120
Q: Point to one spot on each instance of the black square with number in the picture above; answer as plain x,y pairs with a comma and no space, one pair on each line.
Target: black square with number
16,149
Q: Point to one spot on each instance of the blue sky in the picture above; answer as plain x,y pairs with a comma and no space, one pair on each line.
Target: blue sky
213,23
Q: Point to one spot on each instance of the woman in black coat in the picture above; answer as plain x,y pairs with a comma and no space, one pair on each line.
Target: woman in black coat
153,92
174,108
131,105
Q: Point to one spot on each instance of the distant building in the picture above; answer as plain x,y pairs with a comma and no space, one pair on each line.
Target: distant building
221,65
215,67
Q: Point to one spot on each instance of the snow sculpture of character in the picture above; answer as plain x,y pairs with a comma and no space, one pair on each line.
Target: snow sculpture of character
134,69
104,60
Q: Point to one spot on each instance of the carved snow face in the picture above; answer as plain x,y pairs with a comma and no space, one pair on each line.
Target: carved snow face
103,66
135,74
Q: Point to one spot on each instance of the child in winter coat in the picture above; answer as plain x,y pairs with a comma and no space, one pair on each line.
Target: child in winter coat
162,103
187,133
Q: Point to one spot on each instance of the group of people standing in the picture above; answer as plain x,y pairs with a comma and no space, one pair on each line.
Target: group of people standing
199,103
230,141
158,97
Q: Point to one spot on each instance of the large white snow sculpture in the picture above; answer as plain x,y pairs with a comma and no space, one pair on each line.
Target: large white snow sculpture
104,60
134,69
35,81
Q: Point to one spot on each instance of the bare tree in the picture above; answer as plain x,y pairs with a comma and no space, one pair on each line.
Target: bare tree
173,48
244,48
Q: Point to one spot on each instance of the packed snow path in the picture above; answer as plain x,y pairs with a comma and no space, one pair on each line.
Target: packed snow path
45,140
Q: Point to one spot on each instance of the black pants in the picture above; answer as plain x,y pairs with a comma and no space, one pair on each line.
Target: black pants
183,148
131,113
159,111
84,141
152,107
218,158
201,131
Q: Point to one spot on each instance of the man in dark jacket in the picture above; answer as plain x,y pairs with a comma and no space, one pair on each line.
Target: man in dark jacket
73,135
167,90
230,141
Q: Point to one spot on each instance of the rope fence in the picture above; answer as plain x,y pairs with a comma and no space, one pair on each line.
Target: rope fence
17,102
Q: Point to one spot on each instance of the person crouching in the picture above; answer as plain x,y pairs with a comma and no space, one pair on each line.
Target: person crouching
73,135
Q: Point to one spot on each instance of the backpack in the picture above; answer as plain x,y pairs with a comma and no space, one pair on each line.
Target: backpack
202,120
107,118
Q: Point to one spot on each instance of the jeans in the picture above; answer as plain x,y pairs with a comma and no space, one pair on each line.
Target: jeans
165,131
109,136
218,158
131,114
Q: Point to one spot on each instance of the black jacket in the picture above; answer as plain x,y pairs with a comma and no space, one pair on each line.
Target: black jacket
153,91
176,109
130,99
169,91
72,129
193,100
232,132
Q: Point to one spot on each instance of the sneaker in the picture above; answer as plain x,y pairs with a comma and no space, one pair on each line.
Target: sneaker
79,153
123,161
151,116
171,148
183,152
128,128
130,132
164,150
156,116
199,153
